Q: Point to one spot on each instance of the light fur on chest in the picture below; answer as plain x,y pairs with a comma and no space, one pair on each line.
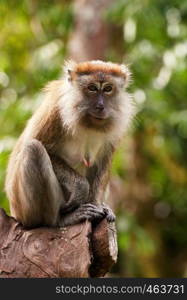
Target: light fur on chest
82,148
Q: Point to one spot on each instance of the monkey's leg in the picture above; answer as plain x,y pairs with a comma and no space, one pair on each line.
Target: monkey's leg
74,186
84,212
39,193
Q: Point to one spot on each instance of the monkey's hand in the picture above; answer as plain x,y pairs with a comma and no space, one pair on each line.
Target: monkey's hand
84,212
110,216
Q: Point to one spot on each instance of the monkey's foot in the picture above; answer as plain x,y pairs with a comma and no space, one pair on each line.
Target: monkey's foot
110,216
88,211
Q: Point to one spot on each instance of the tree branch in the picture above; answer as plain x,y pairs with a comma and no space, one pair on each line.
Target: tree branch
75,251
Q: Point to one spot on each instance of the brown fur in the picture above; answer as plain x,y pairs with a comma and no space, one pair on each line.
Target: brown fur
46,174
88,68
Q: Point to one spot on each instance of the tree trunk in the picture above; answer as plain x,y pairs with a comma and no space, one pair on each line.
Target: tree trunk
75,251
94,37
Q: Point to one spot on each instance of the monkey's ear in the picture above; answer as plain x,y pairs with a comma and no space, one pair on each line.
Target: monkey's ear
69,69
126,74
70,77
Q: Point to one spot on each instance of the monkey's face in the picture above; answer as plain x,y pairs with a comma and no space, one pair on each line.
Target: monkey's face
97,99
99,103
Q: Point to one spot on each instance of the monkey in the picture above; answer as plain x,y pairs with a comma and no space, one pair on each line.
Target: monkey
58,171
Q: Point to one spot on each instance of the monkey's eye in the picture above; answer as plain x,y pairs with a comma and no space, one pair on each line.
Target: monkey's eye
108,89
92,88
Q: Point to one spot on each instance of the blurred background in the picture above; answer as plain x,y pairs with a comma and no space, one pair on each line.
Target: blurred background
149,173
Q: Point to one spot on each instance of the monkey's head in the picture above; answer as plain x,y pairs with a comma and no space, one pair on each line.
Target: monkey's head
100,100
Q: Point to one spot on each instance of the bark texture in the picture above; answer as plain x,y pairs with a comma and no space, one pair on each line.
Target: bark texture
74,251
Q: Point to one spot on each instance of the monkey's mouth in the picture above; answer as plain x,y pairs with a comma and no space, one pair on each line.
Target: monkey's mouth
100,118
97,121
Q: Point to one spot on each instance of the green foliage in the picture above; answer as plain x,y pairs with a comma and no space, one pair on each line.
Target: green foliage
155,44
33,43
32,49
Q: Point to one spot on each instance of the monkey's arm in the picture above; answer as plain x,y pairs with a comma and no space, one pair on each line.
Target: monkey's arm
98,177
98,191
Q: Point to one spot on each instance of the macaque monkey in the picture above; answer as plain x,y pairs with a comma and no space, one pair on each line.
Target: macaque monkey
58,172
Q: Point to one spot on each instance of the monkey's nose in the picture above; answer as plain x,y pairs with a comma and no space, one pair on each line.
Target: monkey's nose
99,107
